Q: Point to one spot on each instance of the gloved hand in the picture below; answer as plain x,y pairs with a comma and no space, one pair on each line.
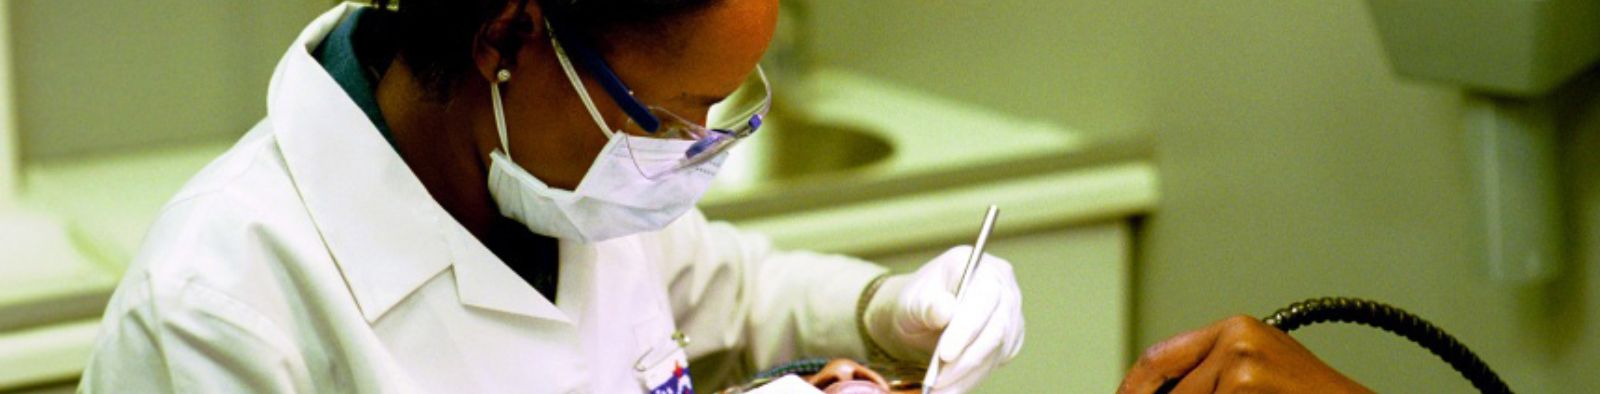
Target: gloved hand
983,332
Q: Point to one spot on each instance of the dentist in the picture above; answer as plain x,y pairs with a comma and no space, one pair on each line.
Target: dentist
497,196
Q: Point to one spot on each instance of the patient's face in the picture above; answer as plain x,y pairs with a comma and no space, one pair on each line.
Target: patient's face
843,376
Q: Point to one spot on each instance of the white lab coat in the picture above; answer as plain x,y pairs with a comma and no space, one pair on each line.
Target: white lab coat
308,258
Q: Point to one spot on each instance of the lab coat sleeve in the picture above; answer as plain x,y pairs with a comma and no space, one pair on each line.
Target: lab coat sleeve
187,338
732,290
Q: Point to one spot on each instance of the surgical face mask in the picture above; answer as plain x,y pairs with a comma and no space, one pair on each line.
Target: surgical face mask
615,198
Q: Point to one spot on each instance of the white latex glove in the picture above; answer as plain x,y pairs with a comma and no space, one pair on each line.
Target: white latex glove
908,314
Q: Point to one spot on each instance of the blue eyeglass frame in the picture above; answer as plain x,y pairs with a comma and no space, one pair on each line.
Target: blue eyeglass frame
578,47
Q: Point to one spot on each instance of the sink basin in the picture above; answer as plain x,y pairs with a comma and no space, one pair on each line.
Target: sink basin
791,147
852,138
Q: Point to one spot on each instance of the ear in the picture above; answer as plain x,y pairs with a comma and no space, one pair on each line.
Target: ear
497,44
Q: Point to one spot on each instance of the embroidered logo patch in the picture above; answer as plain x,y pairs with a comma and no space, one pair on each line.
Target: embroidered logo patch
678,384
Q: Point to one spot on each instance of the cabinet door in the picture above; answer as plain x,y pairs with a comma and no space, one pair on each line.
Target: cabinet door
1075,297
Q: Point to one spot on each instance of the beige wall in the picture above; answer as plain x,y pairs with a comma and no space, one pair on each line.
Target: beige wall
8,127
1293,164
1080,63
97,76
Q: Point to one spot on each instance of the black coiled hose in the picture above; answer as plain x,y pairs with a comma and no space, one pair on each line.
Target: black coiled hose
1399,322
1322,310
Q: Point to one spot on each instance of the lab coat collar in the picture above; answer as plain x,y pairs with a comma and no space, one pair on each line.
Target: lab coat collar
385,232
493,285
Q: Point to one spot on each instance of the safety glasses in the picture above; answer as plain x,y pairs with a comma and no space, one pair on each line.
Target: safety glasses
740,115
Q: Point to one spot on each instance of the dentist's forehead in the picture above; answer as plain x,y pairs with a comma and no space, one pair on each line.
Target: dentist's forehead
708,55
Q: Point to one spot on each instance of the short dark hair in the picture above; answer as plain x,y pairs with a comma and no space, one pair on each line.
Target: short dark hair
435,37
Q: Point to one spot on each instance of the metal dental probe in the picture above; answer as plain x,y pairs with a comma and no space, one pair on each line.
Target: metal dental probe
961,287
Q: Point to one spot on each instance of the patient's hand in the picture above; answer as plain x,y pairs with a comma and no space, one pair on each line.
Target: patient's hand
1238,354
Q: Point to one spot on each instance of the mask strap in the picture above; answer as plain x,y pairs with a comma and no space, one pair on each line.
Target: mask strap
577,84
499,117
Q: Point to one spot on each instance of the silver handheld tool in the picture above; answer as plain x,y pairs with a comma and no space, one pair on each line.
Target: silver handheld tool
961,287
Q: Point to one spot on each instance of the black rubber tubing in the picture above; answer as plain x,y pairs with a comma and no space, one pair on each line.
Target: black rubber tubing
1324,310
1394,320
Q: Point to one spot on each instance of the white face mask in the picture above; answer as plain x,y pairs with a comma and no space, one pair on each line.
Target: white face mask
614,198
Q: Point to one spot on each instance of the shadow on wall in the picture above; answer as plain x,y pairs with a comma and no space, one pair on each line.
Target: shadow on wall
1570,324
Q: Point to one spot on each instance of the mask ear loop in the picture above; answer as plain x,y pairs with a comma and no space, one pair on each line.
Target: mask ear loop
508,50
577,84
499,110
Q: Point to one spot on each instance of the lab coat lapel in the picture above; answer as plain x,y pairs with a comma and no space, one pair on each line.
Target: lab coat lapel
483,281
576,278
385,232
379,223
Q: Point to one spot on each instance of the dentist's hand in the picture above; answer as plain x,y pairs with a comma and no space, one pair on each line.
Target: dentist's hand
983,332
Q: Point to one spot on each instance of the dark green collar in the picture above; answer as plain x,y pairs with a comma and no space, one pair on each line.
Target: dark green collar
356,74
